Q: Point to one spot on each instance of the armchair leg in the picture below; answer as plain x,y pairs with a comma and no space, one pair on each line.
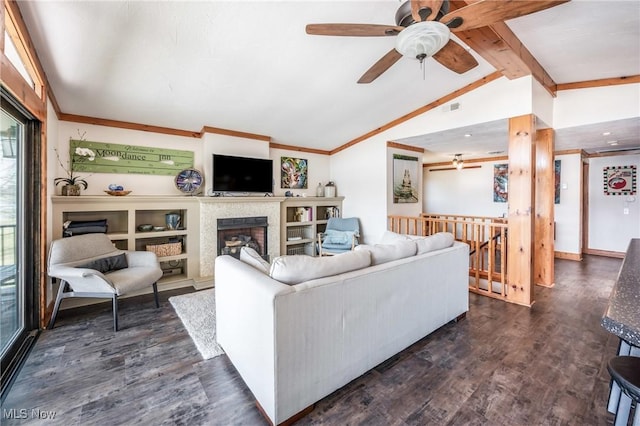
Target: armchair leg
59,298
155,294
115,312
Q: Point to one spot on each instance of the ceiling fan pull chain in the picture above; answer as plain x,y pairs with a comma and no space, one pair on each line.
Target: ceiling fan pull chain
422,65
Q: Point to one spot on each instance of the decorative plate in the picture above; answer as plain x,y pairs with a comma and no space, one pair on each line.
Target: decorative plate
189,181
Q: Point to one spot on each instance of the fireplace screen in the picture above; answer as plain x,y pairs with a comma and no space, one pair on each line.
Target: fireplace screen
235,233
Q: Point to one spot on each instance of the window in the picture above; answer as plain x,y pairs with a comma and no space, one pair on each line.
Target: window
16,50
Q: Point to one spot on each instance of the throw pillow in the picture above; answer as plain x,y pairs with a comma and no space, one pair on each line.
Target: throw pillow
295,269
107,264
253,258
331,236
333,239
383,253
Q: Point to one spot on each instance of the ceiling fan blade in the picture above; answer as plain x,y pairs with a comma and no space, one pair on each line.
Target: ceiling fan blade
425,10
381,66
455,57
353,30
487,12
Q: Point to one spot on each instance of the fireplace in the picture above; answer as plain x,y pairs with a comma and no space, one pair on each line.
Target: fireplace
237,232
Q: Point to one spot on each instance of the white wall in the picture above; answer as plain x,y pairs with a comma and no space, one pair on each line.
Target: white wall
542,105
568,212
52,131
361,177
52,162
462,192
596,105
501,98
609,228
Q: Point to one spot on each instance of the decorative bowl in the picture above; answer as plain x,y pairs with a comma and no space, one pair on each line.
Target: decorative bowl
159,228
145,228
118,193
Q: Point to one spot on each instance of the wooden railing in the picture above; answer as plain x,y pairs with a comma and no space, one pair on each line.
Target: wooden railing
487,240
7,254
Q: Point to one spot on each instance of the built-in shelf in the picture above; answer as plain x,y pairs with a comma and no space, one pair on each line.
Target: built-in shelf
303,218
125,214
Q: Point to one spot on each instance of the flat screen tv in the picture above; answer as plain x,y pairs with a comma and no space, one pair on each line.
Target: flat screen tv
242,174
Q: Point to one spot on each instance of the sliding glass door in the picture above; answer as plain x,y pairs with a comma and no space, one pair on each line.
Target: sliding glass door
20,184
11,296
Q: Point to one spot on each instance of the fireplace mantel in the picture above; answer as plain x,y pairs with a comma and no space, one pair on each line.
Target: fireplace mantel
241,199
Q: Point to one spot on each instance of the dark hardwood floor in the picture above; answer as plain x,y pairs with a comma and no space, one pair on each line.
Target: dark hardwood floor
502,365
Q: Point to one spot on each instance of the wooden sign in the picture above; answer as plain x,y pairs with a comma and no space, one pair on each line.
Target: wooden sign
99,157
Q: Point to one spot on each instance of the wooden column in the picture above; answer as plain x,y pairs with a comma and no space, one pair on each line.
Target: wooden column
520,252
544,206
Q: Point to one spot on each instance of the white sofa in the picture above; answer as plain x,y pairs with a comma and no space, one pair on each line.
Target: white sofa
295,344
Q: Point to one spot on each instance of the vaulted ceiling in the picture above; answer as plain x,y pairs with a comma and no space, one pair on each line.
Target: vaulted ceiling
250,66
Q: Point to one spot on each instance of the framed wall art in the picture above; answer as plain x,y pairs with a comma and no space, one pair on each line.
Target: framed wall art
556,166
405,179
293,173
500,183
619,180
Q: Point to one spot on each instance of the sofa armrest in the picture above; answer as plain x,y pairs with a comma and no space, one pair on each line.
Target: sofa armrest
245,324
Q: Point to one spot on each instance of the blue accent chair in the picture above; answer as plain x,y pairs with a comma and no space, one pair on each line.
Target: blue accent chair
341,235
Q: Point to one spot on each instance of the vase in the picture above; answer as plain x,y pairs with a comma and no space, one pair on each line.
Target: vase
172,220
71,190
320,190
330,190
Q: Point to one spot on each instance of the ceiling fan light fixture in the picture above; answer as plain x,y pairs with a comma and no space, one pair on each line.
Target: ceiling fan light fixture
422,39
458,162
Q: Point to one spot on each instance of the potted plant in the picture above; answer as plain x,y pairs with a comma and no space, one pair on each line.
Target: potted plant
72,183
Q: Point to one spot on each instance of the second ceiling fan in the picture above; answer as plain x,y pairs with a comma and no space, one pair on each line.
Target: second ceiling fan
423,28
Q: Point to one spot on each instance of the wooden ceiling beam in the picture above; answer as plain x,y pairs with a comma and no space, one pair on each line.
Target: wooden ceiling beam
499,46
600,83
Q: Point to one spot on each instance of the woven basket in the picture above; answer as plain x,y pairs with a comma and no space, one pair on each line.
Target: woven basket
168,249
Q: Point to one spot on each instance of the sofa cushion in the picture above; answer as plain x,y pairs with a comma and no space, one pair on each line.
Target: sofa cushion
294,269
107,264
253,258
383,253
433,242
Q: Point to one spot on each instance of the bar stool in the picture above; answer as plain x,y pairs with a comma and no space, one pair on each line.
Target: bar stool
625,371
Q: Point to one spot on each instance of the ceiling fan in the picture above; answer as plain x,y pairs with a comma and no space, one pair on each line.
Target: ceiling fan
423,28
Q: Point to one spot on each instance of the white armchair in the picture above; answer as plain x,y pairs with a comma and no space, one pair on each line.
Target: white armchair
90,266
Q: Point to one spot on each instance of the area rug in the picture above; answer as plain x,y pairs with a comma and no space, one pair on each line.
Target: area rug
198,314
